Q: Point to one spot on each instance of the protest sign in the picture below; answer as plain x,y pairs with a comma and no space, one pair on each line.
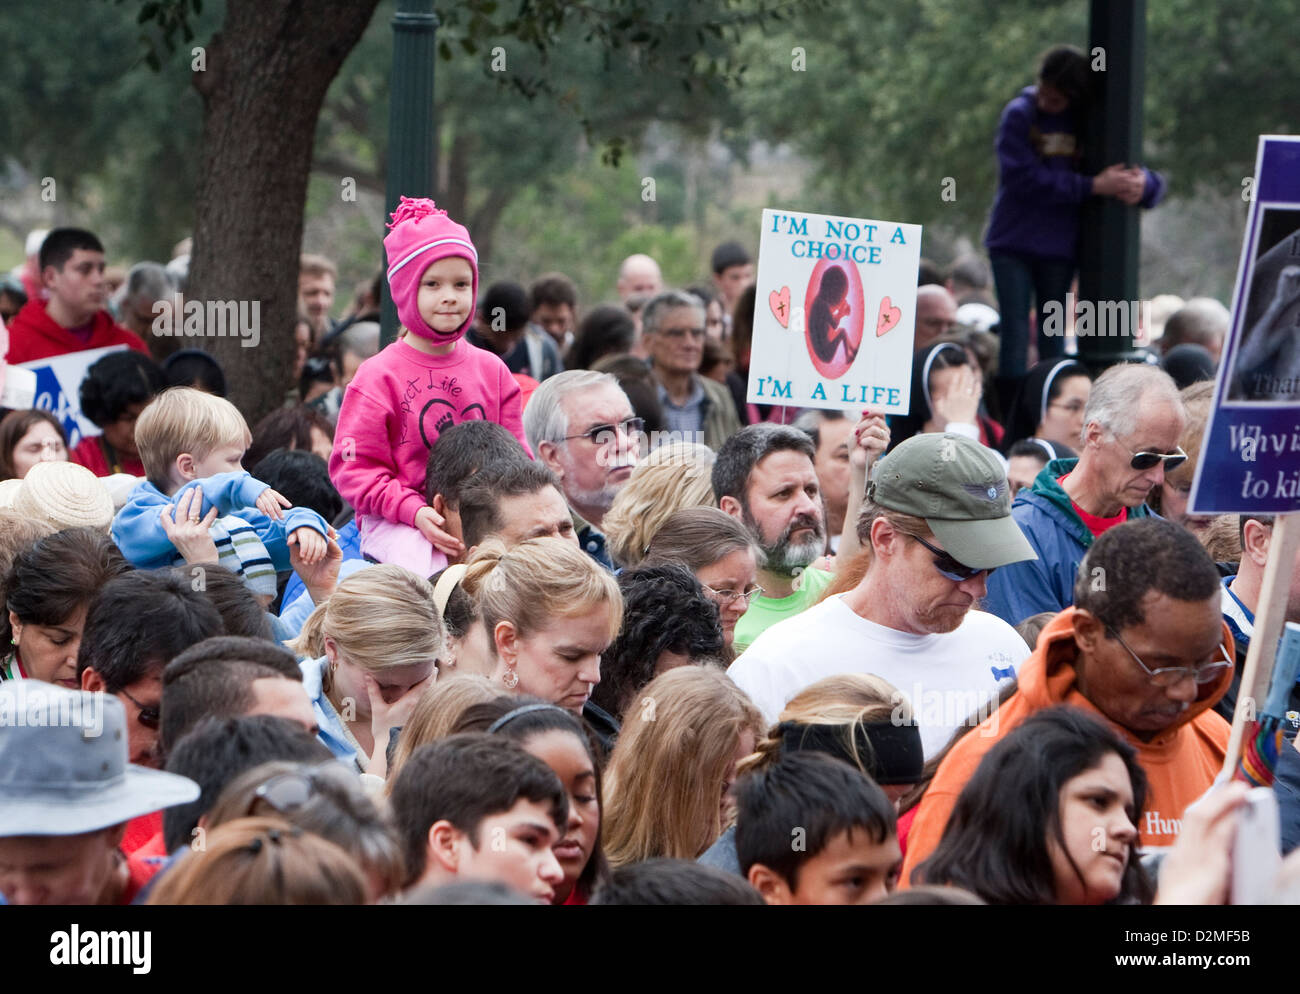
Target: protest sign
835,312
1250,455
1250,458
58,389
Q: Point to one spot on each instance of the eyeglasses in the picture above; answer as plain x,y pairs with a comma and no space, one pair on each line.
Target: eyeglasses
950,567
149,717
731,596
1145,460
604,434
1169,676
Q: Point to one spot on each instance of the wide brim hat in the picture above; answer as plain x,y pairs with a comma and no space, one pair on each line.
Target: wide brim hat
63,764
66,495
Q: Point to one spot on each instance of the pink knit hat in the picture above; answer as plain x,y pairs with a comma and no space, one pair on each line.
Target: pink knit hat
420,234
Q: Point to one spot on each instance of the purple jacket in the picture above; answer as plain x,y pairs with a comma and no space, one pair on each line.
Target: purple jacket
1040,188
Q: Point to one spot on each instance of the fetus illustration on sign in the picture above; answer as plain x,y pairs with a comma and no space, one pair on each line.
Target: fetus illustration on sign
834,316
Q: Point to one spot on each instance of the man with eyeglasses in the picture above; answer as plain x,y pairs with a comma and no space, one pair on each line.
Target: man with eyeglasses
937,519
1145,648
1131,427
582,427
696,408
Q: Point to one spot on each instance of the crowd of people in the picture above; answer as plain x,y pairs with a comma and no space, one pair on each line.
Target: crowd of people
532,605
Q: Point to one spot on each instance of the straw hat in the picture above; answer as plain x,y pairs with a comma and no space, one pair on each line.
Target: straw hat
66,495
8,491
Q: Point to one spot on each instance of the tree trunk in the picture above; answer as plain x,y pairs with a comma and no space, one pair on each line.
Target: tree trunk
265,78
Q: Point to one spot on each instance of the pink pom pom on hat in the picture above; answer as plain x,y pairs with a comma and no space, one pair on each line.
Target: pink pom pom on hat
420,234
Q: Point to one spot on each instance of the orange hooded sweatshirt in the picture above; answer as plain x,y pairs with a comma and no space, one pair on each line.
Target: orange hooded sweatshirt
1180,763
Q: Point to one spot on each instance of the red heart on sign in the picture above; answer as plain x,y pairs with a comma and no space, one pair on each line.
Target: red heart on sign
780,304
889,316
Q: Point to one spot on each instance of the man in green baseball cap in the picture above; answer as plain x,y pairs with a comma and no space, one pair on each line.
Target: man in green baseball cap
937,519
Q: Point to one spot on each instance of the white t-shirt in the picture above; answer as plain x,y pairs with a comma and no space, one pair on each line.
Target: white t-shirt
947,678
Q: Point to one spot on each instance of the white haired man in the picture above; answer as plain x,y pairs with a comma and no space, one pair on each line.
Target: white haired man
1129,441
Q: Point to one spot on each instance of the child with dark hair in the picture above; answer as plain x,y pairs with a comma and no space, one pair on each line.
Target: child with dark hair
849,852
116,389
676,882
1026,826
558,739
478,807
460,452
667,622
303,478
27,438
195,368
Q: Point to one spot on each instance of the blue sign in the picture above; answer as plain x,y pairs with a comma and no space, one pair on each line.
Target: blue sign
1250,459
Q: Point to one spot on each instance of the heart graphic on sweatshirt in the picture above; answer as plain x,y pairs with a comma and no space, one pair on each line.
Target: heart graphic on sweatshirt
889,316
780,304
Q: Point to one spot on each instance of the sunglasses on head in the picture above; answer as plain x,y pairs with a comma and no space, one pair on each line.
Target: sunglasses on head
950,567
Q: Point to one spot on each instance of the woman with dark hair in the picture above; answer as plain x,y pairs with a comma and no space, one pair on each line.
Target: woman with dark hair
668,621
946,395
1049,817
300,427
116,389
46,593
604,331
1049,406
557,738
29,437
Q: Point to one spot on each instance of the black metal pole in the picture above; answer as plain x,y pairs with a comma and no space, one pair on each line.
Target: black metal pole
1108,250
410,121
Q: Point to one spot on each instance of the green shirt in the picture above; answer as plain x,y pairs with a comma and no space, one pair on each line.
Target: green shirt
767,611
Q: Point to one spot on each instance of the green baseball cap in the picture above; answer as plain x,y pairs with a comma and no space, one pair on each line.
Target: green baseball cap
960,489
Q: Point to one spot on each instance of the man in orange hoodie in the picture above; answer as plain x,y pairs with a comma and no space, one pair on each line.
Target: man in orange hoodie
1143,647
73,319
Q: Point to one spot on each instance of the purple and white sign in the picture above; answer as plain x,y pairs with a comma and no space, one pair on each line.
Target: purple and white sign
1250,459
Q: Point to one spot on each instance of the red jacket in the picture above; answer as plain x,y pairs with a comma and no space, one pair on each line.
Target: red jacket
33,334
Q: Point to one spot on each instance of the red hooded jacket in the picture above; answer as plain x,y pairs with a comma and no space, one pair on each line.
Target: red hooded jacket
33,334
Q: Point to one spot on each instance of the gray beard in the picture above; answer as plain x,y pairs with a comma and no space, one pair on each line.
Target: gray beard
784,557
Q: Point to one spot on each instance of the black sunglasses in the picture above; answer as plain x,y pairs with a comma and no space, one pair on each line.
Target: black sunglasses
949,567
1145,460
149,717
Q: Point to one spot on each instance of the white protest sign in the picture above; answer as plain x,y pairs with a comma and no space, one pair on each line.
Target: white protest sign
58,389
835,312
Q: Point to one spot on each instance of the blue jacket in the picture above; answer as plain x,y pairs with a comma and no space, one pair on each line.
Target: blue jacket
1040,189
1046,515
139,534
